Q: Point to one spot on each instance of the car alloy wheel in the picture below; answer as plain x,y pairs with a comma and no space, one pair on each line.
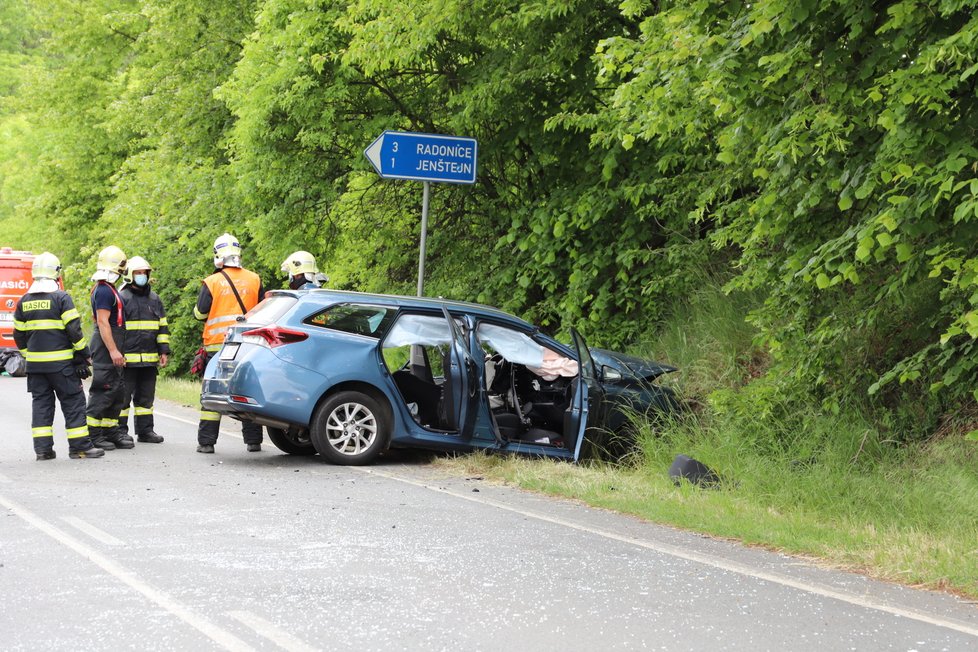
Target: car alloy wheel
350,428
290,441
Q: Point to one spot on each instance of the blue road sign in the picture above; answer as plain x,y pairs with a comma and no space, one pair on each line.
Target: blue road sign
424,157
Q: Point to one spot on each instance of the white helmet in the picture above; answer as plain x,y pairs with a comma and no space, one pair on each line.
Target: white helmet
135,263
46,265
111,265
300,262
227,252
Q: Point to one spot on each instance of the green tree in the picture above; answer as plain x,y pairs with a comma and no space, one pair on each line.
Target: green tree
840,147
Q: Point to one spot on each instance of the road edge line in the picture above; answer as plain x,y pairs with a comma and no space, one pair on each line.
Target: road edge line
220,636
701,558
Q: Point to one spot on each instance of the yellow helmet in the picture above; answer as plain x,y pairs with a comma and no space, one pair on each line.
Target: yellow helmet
227,251
135,263
111,264
46,265
300,262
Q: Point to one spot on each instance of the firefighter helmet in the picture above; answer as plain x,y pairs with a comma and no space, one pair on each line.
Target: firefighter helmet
136,263
46,265
227,251
300,262
111,264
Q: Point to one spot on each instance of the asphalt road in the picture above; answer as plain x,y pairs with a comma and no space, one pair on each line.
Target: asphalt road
162,548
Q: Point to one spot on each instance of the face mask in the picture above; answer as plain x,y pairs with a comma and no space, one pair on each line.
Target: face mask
140,279
112,277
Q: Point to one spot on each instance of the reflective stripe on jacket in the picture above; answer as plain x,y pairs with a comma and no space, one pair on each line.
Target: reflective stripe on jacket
224,308
147,332
48,332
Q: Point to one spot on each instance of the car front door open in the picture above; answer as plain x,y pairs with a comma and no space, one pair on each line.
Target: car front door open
462,381
585,410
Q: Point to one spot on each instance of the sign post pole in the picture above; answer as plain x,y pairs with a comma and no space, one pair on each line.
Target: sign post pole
427,158
424,237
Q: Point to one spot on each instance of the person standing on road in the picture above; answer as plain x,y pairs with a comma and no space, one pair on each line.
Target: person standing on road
147,348
302,270
107,393
47,330
225,295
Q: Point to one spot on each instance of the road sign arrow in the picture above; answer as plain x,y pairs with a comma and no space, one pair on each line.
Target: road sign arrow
373,153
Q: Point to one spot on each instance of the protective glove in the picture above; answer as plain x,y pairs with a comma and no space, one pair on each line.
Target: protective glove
83,371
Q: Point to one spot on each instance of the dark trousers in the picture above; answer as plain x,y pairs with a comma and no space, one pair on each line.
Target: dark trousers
65,387
210,425
140,392
106,397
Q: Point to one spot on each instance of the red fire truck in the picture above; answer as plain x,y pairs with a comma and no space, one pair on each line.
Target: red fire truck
15,278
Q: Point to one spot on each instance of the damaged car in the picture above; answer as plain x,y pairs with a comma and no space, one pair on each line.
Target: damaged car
348,375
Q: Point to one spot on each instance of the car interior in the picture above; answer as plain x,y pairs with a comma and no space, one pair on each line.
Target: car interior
529,387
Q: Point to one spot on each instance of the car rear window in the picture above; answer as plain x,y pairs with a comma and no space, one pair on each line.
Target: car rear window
358,319
270,310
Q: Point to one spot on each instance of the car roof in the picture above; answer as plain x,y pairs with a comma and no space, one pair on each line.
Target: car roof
326,296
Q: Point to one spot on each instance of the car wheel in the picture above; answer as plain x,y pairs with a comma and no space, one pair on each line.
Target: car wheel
290,442
350,428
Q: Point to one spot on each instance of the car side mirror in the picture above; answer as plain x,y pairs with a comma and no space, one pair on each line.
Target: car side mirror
610,374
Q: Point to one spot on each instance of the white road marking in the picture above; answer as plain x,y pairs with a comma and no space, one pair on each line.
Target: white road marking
193,423
271,631
222,637
703,558
92,531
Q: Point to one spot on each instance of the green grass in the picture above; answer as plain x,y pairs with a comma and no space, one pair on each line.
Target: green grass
179,390
795,478
910,520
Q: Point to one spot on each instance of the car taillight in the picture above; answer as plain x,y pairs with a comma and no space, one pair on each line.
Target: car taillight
272,336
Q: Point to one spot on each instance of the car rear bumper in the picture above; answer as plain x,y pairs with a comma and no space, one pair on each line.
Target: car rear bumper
222,404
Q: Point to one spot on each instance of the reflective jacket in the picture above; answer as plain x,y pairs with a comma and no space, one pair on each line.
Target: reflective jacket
48,332
217,305
147,333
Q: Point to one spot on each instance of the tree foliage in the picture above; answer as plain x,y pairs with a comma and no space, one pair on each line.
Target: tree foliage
820,154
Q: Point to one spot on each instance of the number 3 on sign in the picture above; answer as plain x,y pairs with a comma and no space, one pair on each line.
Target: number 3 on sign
394,148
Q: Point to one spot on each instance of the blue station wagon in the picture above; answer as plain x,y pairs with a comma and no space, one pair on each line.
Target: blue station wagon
348,375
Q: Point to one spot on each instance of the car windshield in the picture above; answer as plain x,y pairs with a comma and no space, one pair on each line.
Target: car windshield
512,345
270,309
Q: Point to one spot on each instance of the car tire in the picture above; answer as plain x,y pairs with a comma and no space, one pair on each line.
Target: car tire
290,443
350,428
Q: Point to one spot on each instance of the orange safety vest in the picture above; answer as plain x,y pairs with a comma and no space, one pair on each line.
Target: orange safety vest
224,306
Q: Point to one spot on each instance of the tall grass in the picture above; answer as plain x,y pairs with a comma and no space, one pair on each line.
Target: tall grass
907,513
708,338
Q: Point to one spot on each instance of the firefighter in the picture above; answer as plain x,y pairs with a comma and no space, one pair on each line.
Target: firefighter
225,295
147,348
47,330
107,393
302,270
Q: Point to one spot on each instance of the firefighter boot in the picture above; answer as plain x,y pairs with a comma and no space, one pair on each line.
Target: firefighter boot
150,438
46,455
97,434
91,452
119,438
